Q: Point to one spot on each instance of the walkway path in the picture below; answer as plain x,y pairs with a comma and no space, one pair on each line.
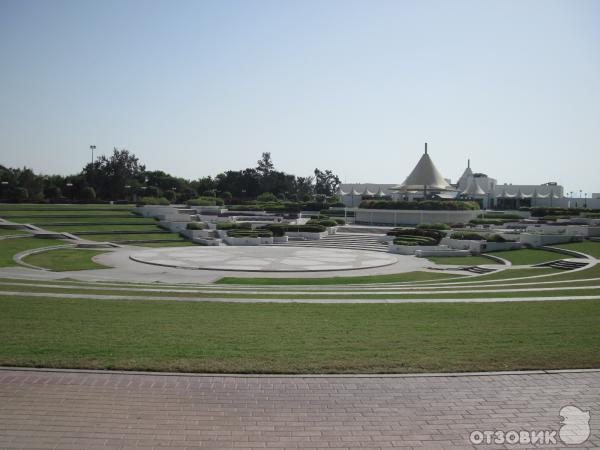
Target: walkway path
92,410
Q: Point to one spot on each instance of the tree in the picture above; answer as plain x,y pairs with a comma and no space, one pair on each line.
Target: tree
109,176
19,194
304,187
265,164
326,183
267,197
52,193
88,194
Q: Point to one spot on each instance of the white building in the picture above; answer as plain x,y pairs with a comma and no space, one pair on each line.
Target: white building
426,181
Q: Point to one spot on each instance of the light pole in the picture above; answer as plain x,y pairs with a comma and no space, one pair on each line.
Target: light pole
70,186
92,148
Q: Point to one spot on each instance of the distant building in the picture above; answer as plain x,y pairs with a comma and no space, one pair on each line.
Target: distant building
426,181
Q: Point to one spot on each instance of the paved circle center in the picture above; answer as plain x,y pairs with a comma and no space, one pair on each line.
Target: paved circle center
264,259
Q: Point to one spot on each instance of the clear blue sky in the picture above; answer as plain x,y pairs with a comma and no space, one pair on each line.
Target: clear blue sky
198,87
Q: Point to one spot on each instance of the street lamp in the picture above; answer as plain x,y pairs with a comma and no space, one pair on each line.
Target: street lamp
92,148
70,186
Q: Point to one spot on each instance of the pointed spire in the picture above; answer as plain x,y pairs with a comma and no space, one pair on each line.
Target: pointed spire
469,163
425,147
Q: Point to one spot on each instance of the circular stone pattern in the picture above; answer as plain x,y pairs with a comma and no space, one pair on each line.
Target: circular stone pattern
264,259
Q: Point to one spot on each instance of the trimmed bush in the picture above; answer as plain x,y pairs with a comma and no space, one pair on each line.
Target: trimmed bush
324,222
495,238
467,236
195,226
153,201
433,226
436,235
283,228
250,233
234,225
447,205
205,201
339,221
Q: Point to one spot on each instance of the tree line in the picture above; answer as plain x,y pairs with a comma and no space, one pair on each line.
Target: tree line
122,177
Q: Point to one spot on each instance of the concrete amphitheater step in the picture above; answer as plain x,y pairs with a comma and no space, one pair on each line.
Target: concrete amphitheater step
353,241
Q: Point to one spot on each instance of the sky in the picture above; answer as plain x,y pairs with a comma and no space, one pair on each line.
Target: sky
195,88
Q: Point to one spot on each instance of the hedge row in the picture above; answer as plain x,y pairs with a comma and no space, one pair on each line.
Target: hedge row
279,229
415,240
448,205
195,226
250,233
436,235
233,225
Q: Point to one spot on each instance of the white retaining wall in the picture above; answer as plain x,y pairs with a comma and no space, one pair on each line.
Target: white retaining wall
412,217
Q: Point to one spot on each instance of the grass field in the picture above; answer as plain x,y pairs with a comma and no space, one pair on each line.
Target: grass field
132,237
528,256
129,219
10,232
61,206
9,247
589,247
392,278
299,338
99,228
461,260
65,259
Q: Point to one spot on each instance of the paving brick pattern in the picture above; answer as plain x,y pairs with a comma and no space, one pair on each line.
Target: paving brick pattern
79,410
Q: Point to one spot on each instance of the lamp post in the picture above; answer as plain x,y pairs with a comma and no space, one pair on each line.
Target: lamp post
70,186
3,184
92,148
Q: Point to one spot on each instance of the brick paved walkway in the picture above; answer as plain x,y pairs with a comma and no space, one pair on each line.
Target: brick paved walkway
78,410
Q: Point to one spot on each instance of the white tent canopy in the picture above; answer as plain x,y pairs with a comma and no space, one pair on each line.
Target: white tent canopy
424,177
473,189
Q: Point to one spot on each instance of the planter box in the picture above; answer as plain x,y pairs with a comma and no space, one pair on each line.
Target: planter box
461,244
412,217
539,240
248,240
441,252
411,249
307,236
207,241
332,230
280,239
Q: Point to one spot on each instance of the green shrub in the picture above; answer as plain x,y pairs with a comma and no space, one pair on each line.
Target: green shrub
202,201
234,225
250,233
447,205
279,229
324,222
267,197
489,221
153,201
433,226
436,235
467,236
412,242
499,215
339,221
495,238
195,226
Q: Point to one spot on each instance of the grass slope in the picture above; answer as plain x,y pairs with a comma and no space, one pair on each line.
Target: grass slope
9,247
391,278
527,256
295,338
65,259
461,260
590,247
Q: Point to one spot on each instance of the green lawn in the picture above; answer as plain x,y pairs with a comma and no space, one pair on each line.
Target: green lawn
65,259
132,237
461,260
298,338
528,256
590,247
60,207
78,228
59,213
9,247
49,221
10,232
392,278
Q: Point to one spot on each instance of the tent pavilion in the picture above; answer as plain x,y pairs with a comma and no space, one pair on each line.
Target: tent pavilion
425,179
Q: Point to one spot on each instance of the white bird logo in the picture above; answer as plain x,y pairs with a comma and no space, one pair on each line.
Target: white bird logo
575,425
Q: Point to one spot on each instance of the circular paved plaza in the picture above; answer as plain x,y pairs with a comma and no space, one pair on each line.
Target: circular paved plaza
267,259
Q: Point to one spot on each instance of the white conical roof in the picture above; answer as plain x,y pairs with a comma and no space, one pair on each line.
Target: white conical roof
473,188
354,191
380,193
367,192
463,181
424,176
340,192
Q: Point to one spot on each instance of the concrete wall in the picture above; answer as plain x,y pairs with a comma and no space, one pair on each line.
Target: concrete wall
410,217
